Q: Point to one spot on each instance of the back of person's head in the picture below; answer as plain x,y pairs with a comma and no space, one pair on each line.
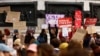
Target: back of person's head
7,32
55,42
63,46
74,49
43,31
45,50
77,52
74,44
32,50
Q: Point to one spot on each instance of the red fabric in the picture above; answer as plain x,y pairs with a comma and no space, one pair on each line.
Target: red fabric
60,35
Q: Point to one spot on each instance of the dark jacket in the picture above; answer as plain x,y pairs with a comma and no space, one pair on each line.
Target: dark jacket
52,36
28,38
44,36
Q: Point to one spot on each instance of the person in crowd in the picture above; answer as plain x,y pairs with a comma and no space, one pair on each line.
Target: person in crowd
29,37
32,50
45,49
96,49
16,33
70,34
21,51
86,41
3,47
55,43
97,38
94,39
74,49
42,38
53,32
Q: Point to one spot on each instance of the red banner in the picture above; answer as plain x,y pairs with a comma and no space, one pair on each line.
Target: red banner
78,18
90,21
65,22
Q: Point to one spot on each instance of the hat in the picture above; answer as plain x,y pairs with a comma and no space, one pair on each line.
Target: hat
15,31
18,42
32,47
63,46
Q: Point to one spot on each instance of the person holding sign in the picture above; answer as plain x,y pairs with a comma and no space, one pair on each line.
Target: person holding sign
53,32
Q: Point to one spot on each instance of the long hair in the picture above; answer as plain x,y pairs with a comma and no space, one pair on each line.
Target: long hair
45,50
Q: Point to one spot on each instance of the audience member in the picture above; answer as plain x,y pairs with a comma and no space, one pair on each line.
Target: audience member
45,50
53,32
42,38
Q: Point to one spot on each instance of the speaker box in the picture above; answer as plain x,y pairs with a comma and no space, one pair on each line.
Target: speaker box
95,12
27,9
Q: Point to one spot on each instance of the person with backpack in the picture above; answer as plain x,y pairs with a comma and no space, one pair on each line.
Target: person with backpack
42,38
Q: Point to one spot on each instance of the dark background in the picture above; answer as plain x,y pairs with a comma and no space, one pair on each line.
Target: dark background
28,12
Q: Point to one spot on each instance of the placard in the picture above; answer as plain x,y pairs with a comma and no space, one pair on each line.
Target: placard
65,22
79,35
53,18
21,25
90,21
12,17
44,26
64,32
91,29
78,18
6,9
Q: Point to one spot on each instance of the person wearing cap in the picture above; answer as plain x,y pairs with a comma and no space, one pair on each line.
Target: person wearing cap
15,35
32,50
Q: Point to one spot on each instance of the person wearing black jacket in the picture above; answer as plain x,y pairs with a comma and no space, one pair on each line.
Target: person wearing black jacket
53,31
28,37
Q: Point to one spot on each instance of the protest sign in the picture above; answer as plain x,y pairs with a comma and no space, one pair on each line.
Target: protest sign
79,35
64,32
91,29
90,21
21,25
44,26
12,17
53,19
5,8
65,22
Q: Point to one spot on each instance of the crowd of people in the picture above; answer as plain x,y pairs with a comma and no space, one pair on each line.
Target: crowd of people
28,45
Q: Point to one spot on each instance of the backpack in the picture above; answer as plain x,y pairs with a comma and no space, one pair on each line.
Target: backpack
40,39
